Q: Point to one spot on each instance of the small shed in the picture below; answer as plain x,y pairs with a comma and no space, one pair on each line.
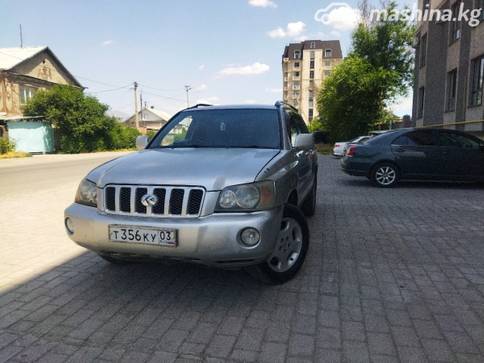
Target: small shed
30,134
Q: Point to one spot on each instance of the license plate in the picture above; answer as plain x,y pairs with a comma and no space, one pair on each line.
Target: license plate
145,235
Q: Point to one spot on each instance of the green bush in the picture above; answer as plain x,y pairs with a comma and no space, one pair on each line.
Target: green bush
6,146
122,137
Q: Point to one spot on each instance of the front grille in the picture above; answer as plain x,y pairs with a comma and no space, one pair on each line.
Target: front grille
171,201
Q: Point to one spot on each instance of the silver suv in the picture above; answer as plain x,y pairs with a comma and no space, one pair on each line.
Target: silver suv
224,186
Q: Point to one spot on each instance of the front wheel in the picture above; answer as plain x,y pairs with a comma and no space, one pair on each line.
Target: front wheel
289,251
385,175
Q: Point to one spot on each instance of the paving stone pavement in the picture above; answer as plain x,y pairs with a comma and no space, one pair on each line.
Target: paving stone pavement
392,275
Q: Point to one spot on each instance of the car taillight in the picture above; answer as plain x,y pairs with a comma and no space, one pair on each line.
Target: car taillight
351,151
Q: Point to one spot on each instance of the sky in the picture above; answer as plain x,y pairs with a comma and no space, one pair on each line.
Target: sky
228,51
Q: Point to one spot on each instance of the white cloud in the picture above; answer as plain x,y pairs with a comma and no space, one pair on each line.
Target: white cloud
263,3
403,106
200,88
107,43
292,30
209,100
250,102
248,70
201,67
274,90
340,16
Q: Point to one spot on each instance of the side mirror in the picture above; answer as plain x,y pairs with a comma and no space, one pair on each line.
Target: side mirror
141,142
304,141
320,137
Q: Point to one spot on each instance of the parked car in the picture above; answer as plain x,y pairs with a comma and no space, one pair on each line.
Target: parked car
225,186
358,140
437,154
340,147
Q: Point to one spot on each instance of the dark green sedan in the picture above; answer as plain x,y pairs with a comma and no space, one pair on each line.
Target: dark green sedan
429,154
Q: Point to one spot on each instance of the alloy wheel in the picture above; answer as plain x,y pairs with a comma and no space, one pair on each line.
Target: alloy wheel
385,175
288,247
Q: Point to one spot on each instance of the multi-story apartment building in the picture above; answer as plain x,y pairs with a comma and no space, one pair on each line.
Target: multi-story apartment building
305,65
449,70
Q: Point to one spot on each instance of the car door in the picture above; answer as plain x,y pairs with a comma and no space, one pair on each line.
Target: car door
417,154
304,157
462,155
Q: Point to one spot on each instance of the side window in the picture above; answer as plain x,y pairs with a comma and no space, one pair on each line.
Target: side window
293,128
451,139
403,140
421,138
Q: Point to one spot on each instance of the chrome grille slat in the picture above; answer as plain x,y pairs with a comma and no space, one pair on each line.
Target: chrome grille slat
173,201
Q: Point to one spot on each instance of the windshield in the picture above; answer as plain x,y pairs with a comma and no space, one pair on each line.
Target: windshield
234,128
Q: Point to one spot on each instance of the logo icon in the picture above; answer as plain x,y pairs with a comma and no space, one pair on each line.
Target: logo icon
149,200
324,15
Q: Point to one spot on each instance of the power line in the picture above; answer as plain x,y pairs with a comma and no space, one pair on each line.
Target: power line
112,89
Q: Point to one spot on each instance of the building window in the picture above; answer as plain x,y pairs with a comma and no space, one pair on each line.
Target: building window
297,54
296,64
311,74
311,102
327,63
423,51
327,73
451,90
426,5
455,26
310,114
328,53
295,95
312,54
26,93
477,73
312,45
311,64
296,75
421,99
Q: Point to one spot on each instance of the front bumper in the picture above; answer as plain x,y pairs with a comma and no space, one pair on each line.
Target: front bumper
210,240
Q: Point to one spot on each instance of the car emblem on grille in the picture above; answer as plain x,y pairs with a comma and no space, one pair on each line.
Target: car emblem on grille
149,200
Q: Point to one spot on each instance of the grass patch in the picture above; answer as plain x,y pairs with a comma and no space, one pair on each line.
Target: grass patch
325,149
15,154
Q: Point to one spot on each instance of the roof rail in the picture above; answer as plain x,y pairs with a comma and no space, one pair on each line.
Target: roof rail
199,105
282,103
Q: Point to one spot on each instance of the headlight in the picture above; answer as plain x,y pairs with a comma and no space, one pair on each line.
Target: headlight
247,197
87,193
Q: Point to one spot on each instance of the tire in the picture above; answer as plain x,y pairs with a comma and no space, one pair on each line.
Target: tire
385,175
309,205
274,270
115,260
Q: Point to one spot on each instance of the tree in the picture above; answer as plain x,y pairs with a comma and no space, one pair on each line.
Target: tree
79,121
351,99
378,69
387,45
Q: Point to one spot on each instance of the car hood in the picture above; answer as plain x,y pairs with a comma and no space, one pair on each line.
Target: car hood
213,169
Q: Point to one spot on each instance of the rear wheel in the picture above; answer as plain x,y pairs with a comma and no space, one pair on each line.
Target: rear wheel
385,175
289,251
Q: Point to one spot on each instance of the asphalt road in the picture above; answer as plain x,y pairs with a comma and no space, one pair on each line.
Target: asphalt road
33,195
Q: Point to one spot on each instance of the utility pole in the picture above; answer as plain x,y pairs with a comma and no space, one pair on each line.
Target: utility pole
188,88
136,119
21,36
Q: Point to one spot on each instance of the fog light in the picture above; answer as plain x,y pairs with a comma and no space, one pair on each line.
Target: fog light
250,236
69,225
